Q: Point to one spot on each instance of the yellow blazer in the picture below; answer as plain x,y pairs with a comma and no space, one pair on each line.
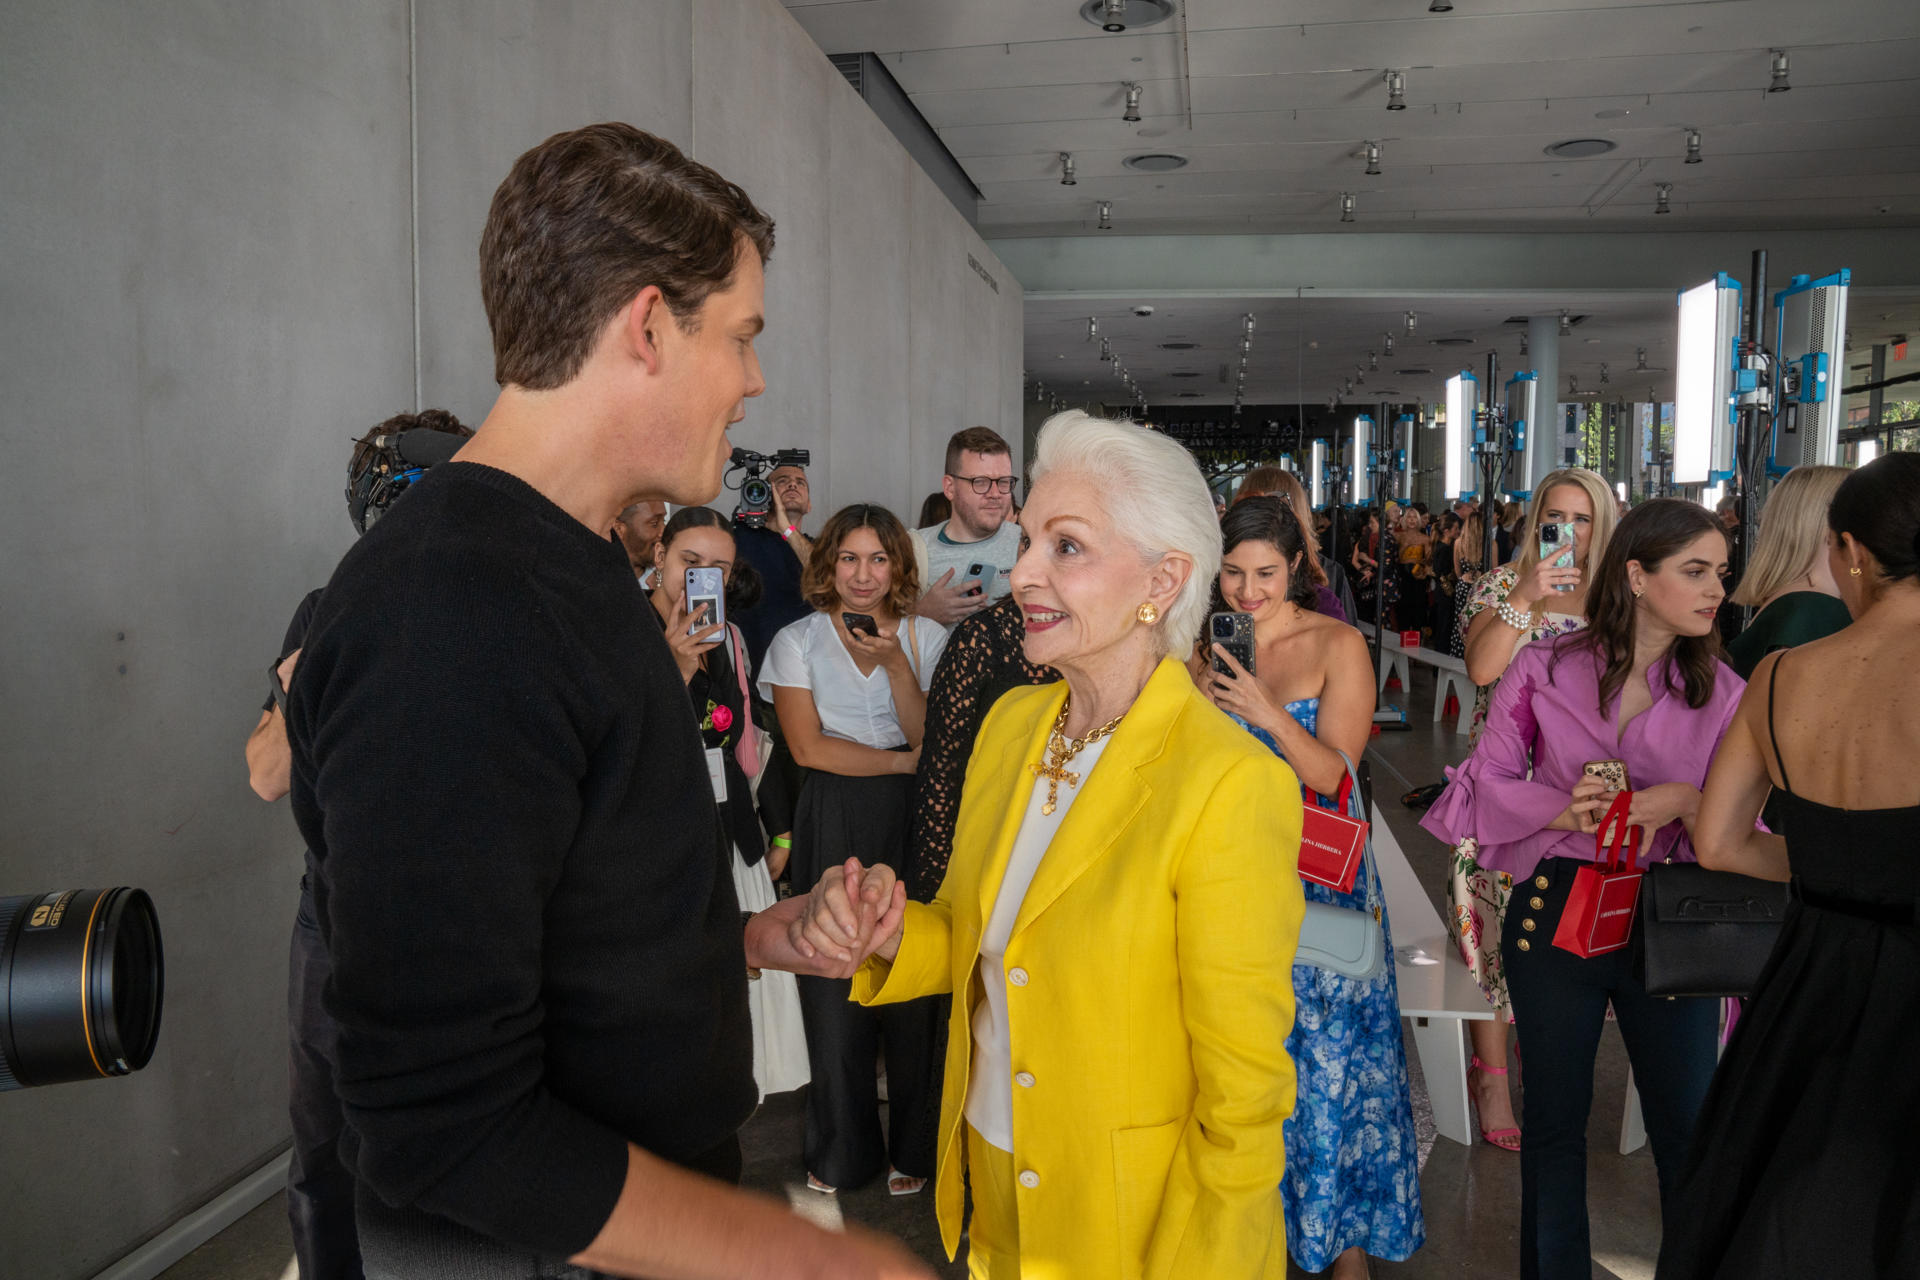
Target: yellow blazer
1157,945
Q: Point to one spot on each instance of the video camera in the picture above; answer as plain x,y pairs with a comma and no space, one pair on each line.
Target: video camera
756,495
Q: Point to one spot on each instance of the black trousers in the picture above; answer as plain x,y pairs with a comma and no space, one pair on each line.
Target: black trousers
1560,1006
865,818
319,1187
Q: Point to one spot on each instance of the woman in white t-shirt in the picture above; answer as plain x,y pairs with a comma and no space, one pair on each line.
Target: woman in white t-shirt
849,686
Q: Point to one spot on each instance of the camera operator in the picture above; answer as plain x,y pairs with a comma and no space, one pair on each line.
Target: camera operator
778,550
319,1186
539,969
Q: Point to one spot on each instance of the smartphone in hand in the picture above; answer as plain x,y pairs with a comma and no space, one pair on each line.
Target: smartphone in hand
706,599
1558,547
856,623
979,579
1232,632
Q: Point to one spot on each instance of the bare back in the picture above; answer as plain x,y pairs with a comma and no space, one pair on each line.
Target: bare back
1845,716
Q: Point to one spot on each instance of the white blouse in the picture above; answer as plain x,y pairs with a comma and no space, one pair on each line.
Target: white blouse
989,1106
810,655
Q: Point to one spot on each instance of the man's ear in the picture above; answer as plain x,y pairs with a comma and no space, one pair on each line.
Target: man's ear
642,324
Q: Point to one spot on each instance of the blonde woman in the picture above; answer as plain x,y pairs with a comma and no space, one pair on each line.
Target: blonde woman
1788,579
1510,608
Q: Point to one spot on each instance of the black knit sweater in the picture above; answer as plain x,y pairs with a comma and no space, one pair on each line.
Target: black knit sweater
536,947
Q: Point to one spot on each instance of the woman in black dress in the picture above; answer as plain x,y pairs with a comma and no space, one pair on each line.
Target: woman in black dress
1803,1163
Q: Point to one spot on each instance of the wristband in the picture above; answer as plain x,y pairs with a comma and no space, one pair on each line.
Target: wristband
782,842
789,531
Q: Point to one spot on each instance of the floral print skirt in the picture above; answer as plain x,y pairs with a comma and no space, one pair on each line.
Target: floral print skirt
1476,903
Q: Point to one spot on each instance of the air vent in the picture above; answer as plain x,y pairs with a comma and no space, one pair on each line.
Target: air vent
1184,374
1191,395
1414,373
1155,162
1178,346
1580,148
1453,342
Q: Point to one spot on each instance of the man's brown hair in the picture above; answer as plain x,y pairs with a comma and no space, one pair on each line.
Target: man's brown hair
981,440
816,583
585,221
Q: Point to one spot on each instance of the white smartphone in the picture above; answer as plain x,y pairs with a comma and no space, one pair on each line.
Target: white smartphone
706,599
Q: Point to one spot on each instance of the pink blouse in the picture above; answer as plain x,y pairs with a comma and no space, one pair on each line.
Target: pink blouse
1544,726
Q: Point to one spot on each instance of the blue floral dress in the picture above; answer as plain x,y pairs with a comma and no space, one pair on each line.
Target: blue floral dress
1353,1163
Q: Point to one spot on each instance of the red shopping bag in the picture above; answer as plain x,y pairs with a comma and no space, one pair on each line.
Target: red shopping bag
1331,844
1409,639
1600,907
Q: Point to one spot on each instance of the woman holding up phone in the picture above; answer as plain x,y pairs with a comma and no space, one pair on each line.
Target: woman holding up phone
1352,1184
1532,599
849,685
697,546
1641,690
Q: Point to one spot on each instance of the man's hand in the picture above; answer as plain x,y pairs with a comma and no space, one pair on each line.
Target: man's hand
947,603
801,544
853,912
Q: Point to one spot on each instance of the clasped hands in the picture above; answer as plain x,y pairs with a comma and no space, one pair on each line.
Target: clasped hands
854,912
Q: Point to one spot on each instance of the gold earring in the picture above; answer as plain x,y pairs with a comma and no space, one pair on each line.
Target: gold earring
1638,592
1854,570
1147,613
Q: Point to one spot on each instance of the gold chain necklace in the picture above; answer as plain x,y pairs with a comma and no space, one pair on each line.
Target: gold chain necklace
1061,750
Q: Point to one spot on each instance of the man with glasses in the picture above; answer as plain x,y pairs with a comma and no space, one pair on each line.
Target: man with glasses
979,482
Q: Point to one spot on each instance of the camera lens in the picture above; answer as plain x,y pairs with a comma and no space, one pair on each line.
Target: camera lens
1223,628
756,494
81,978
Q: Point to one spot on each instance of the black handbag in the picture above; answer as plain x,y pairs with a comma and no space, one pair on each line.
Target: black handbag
1703,932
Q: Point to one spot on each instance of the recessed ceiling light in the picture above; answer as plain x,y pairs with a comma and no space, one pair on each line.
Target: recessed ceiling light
1613,113
1127,15
1155,162
1580,148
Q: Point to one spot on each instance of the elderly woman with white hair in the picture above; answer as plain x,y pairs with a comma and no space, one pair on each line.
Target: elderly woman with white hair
1117,1078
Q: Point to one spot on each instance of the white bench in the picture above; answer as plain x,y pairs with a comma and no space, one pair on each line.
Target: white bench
1450,675
1439,996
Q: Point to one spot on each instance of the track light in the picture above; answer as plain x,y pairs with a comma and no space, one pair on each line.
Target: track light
1373,160
1523,342
1573,384
1566,324
1389,338
1349,387
1440,6
1663,197
1397,90
1693,146
1113,16
1248,321
1373,361
1411,324
1106,352
1779,84
1604,379
1246,344
1093,328
1346,206
1640,356
1132,114
1106,215
1066,169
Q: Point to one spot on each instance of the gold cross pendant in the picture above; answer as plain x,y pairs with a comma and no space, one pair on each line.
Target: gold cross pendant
1054,775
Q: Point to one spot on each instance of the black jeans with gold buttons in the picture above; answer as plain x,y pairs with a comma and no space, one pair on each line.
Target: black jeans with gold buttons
1559,1008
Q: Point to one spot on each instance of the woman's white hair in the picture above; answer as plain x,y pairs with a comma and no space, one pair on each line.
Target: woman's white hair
1153,492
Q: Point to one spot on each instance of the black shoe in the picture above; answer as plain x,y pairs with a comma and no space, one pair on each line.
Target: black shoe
1421,797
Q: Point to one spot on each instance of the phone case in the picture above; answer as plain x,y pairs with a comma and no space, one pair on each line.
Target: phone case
1239,643
706,595
1611,772
858,622
1560,553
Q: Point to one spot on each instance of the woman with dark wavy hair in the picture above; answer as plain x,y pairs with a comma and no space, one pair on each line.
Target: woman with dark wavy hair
1643,685
1803,1165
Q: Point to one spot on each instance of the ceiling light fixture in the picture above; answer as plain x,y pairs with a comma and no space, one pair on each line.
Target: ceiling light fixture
1397,90
1373,160
1106,215
1247,321
1114,15
1693,146
1663,197
1066,169
1349,387
1779,83
1580,148
1440,6
1346,206
1389,338
1093,328
1373,360
1523,342
1640,355
1132,114
1412,323
1566,324
1604,379
1573,384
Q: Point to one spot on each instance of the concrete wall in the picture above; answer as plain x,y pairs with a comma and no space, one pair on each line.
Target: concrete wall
209,285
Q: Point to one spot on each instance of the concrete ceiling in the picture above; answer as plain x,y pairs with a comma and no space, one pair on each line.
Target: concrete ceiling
1274,115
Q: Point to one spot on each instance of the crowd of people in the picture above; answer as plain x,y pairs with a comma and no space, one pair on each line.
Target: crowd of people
1040,833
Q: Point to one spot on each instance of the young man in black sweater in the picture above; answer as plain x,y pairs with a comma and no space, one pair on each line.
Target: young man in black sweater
538,967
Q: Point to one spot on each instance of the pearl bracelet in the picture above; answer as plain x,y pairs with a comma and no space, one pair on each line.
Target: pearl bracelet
1513,617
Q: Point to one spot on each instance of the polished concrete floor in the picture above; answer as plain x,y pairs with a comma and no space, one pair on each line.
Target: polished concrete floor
1470,1196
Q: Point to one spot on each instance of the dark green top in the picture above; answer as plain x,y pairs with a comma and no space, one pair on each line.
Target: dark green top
1793,619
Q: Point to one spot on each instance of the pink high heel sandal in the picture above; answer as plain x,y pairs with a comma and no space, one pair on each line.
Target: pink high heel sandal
1505,1139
